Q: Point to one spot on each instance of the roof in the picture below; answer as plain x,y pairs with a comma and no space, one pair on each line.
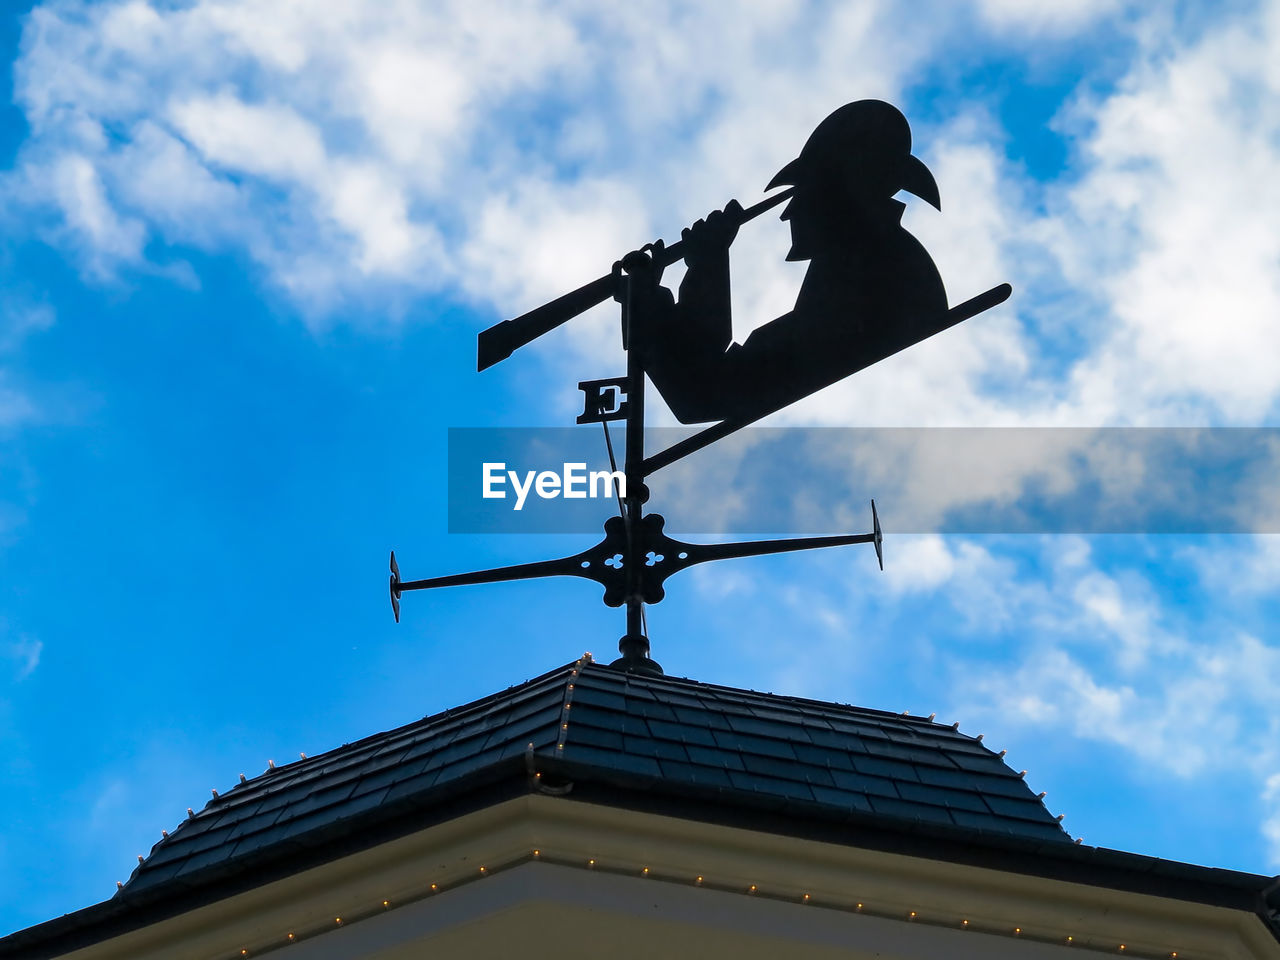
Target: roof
795,753
846,774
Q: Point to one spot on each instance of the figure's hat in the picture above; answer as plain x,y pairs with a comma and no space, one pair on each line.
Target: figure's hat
864,146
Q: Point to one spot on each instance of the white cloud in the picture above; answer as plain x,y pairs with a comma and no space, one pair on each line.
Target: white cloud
1039,17
1111,662
23,655
1173,221
270,141
79,192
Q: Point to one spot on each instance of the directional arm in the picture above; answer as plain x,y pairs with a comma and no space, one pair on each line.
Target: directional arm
665,556
602,563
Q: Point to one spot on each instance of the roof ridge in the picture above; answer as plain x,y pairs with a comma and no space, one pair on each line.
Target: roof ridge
830,705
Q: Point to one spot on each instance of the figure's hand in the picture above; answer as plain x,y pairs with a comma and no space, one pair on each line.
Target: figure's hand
645,264
708,239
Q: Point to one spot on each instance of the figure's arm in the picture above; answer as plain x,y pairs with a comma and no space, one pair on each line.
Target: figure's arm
704,304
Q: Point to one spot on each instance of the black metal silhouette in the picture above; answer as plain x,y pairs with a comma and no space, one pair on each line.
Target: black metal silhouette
871,290
606,563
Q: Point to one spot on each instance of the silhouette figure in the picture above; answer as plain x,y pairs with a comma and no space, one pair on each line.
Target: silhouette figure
871,289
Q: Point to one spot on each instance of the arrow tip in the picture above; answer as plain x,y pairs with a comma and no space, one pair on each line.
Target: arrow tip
879,536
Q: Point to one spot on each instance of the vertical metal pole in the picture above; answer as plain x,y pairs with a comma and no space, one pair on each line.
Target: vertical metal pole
634,647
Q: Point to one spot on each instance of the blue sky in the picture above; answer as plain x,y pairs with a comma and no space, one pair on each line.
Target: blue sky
247,249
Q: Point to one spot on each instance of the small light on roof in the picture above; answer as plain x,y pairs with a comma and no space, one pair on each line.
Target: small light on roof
1022,773
214,792
978,738
119,885
303,756
1042,794
164,833
243,778
190,812
1003,752
931,716
141,858
271,764
1061,817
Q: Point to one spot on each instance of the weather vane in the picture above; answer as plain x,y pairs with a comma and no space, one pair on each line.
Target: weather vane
870,291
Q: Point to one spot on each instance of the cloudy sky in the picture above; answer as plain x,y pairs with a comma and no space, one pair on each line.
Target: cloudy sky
248,245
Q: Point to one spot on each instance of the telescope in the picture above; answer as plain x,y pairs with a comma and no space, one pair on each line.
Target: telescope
503,339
